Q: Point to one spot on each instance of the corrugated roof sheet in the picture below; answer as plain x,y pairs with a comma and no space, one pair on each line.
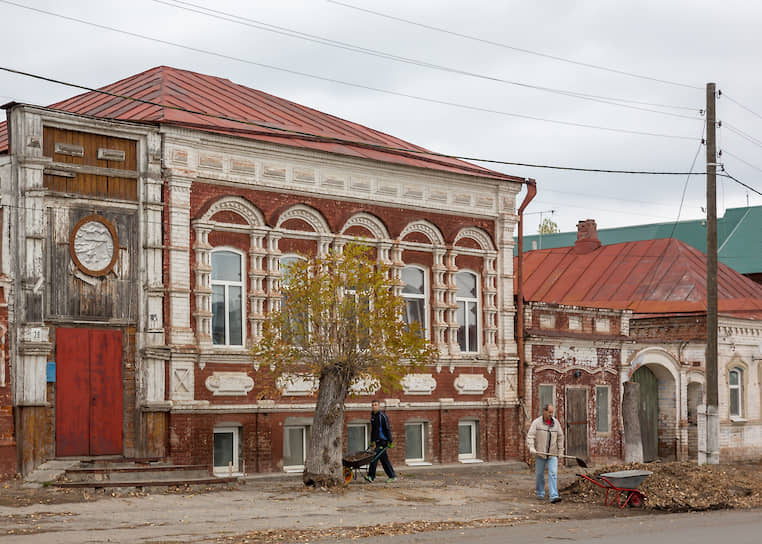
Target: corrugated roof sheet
647,277
218,96
739,237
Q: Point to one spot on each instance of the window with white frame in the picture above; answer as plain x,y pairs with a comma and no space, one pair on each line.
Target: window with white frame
467,312
547,396
295,444
357,437
226,442
415,442
415,296
468,441
735,384
602,409
294,322
227,297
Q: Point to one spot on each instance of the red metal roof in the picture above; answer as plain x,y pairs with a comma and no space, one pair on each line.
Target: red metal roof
647,277
218,96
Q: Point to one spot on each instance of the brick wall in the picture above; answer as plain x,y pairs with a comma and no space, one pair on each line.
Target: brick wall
8,460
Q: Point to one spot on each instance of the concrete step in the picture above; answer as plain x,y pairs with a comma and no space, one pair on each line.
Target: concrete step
151,485
134,472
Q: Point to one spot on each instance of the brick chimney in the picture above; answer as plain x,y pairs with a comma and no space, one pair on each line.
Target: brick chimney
587,237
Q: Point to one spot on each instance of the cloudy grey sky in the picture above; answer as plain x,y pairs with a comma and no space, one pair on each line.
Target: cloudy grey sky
688,42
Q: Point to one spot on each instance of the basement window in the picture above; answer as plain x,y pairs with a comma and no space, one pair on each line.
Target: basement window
468,442
295,444
226,441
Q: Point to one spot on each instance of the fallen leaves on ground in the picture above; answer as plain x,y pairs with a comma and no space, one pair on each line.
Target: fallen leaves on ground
271,536
683,486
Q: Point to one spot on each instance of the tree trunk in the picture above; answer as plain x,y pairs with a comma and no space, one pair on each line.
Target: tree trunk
633,443
323,464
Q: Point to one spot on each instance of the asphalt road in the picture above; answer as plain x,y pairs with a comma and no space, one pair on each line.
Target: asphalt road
738,527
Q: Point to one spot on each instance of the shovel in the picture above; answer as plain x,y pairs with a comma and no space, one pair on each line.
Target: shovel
580,462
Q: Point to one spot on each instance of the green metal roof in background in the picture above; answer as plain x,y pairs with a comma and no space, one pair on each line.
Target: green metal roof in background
739,237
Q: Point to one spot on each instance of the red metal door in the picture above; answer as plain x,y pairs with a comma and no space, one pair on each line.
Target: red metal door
88,392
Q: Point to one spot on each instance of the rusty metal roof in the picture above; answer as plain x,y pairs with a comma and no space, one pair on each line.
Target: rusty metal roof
217,96
663,276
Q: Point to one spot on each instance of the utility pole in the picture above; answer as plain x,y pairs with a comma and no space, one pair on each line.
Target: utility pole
709,444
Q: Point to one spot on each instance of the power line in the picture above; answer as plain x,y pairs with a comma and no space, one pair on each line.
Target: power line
519,49
233,18
726,152
741,183
734,101
307,135
742,134
349,84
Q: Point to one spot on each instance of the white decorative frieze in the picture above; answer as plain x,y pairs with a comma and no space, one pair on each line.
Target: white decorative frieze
297,385
471,384
229,383
365,385
418,384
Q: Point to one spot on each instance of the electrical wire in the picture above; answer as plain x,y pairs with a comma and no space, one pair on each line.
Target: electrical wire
572,94
736,102
742,134
350,84
307,135
741,183
519,49
237,19
726,152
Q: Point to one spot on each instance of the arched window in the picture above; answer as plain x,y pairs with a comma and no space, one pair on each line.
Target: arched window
467,314
735,383
414,293
227,297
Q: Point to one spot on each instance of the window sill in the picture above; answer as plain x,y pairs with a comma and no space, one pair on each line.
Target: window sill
417,463
469,461
294,468
226,474
738,420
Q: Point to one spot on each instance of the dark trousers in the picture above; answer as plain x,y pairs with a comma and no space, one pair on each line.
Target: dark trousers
384,458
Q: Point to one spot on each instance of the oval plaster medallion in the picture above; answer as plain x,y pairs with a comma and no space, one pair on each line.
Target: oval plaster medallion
93,245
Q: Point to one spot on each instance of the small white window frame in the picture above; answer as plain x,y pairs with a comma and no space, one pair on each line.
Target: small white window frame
473,456
475,348
424,296
366,433
738,390
305,436
414,461
223,471
226,284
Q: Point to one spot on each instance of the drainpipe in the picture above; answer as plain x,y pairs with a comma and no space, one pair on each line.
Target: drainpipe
531,192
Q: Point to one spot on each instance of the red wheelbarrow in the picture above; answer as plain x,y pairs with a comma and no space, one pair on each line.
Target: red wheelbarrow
623,486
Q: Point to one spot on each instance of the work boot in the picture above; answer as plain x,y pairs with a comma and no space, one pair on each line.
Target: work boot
554,500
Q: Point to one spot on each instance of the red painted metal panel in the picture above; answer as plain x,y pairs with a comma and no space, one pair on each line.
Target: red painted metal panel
72,392
105,392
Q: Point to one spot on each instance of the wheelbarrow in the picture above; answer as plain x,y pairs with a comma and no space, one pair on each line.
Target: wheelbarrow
353,462
623,486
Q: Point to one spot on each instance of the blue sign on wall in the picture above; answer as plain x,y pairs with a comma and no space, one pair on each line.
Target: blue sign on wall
51,371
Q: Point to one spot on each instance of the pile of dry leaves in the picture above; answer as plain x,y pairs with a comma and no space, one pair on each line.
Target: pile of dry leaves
684,486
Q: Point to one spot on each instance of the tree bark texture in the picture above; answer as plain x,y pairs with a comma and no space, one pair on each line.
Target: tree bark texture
633,443
323,464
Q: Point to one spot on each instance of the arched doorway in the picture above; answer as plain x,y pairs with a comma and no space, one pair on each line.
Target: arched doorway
648,411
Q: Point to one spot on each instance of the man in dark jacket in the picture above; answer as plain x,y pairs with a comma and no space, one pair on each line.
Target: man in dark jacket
381,436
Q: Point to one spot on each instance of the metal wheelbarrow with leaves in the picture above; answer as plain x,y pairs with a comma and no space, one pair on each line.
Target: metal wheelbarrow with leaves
353,462
623,485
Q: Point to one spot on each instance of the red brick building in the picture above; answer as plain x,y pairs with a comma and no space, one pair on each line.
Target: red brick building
155,237
599,315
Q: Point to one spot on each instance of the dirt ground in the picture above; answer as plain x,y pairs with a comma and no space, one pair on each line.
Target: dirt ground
280,509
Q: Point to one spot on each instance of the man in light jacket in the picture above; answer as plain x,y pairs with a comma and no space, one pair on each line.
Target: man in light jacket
545,441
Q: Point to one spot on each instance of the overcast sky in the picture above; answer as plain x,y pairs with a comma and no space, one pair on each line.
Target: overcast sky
688,42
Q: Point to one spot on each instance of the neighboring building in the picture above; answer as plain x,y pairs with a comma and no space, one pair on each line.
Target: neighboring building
142,249
639,308
739,238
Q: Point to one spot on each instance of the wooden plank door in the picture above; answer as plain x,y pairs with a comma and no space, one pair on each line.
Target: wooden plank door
88,392
576,422
648,412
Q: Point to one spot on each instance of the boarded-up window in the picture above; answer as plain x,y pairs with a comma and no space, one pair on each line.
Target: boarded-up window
575,323
602,325
602,409
547,321
547,396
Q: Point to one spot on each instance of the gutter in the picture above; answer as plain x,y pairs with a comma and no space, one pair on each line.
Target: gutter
531,193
